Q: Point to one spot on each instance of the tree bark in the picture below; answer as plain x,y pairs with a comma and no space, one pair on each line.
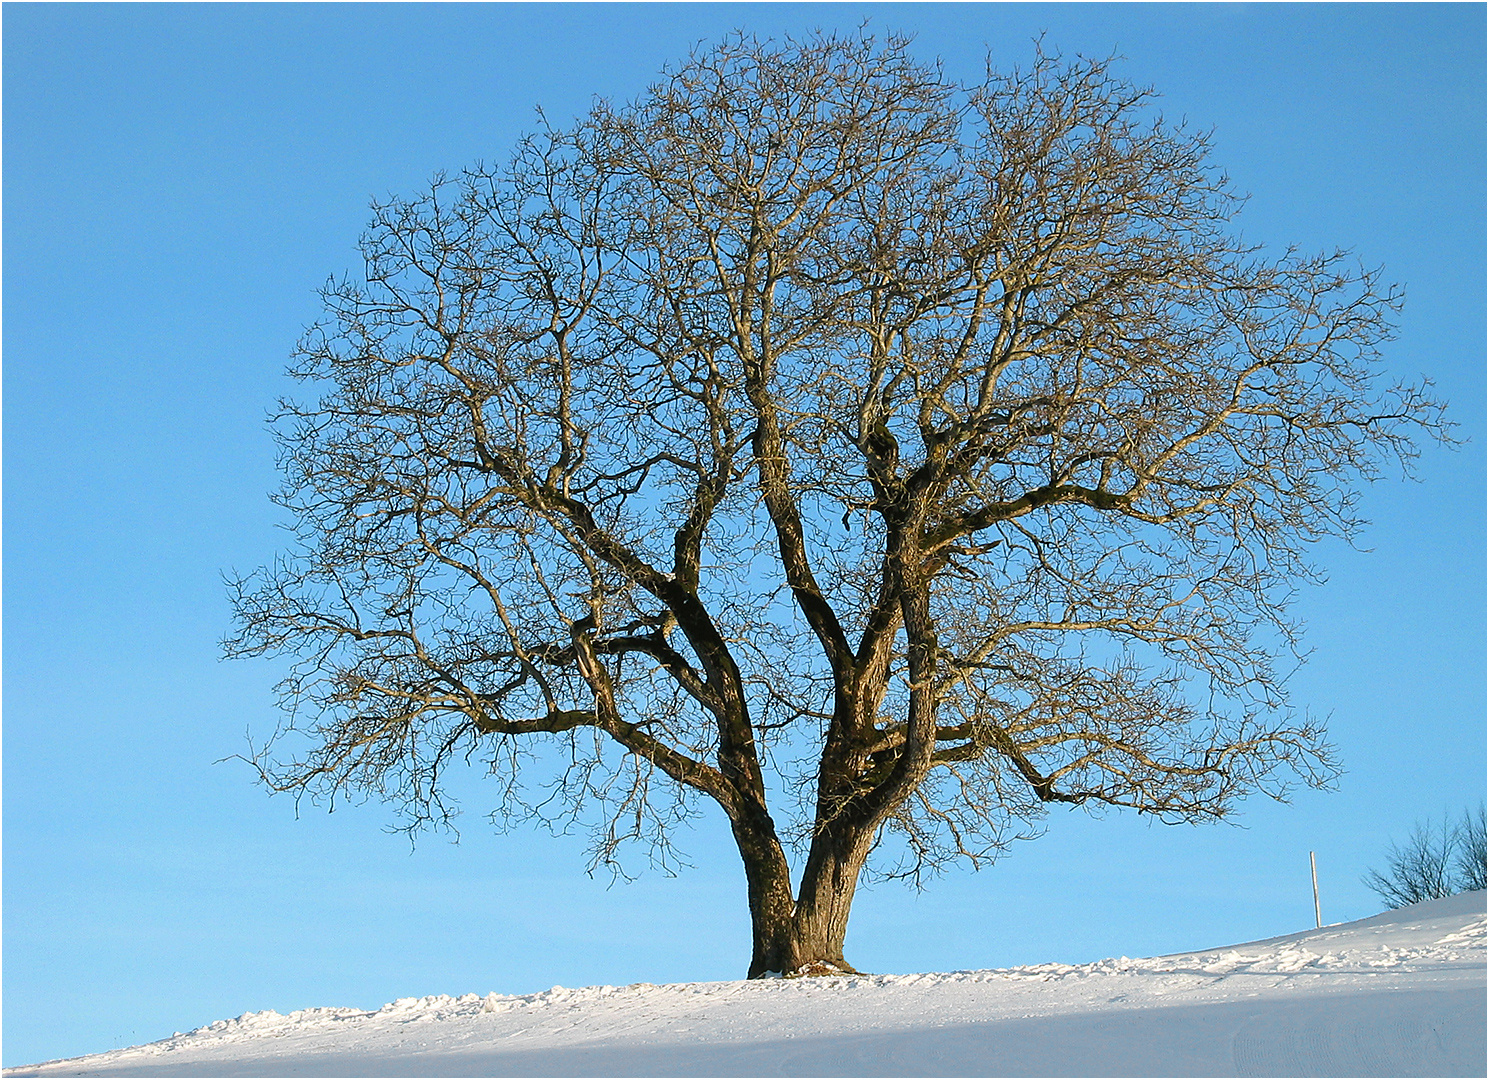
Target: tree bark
829,882
801,936
768,881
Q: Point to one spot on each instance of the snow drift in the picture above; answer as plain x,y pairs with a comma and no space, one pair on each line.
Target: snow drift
1400,994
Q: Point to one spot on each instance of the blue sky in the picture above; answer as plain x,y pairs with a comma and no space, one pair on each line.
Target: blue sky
179,180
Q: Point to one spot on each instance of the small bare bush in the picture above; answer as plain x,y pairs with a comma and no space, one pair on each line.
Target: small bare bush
1435,861
1472,855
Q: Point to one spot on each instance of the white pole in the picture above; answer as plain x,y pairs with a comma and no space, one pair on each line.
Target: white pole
1318,919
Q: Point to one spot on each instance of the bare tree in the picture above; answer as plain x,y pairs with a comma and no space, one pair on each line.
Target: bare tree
815,425
1423,868
1471,861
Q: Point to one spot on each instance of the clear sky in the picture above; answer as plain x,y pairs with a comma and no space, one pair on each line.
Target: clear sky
179,180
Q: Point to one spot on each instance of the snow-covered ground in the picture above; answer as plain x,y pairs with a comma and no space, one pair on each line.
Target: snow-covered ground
1400,994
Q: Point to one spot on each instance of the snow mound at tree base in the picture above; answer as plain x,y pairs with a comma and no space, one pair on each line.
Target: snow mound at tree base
1399,994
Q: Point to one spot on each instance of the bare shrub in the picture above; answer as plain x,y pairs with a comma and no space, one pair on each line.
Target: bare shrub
1434,861
1472,855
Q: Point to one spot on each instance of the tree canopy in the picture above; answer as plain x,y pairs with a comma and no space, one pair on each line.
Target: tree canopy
819,429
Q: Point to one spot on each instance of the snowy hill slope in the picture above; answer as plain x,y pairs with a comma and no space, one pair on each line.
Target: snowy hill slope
1400,994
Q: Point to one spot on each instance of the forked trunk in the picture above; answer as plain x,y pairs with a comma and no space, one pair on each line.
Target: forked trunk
805,937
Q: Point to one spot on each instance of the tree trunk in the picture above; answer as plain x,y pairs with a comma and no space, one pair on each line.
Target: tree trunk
805,937
828,883
772,908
